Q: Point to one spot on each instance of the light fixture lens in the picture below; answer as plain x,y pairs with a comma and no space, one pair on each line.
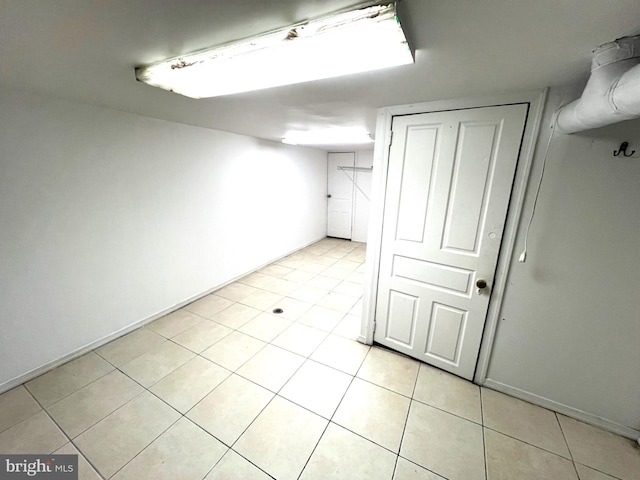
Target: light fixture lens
330,136
360,40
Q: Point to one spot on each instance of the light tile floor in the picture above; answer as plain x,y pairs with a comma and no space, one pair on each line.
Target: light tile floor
225,389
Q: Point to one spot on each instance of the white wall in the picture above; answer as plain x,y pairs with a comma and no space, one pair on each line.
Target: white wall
109,218
362,197
569,333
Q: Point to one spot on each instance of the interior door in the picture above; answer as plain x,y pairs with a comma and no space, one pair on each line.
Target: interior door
448,188
340,195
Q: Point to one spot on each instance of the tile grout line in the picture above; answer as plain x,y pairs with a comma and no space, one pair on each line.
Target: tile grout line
354,377
145,389
149,444
333,415
527,443
566,442
447,412
83,386
70,440
257,352
276,394
326,427
219,460
184,415
519,440
599,471
484,438
259,468
117,408
406,420
266,310
366,381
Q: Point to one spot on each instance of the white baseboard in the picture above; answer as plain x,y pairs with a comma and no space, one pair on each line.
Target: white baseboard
564,409
36,372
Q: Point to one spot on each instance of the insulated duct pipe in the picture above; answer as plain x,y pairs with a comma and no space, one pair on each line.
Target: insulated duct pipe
612,93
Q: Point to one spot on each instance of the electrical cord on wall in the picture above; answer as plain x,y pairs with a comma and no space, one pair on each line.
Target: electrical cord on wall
523,255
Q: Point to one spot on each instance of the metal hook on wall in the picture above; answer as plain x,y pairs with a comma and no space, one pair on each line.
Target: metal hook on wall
623,150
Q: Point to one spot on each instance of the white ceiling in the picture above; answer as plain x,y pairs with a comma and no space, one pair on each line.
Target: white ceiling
87,50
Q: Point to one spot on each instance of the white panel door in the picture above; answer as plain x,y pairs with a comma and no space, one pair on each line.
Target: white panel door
340,192
448,189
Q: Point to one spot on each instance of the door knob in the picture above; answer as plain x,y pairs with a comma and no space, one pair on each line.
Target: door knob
481,284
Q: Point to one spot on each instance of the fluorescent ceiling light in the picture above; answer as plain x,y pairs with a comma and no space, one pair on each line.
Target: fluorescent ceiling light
364,39
329,136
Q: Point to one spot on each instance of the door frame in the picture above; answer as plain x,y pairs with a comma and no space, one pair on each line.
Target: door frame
536,100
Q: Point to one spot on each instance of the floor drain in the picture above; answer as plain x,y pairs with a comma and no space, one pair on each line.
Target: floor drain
278,310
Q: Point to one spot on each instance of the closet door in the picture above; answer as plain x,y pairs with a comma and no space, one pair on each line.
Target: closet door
340,190
448,189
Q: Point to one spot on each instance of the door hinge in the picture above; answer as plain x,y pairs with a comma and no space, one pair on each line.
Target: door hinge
375,324
390,138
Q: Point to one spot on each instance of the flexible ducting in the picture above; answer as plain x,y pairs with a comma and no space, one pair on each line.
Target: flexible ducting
612,93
